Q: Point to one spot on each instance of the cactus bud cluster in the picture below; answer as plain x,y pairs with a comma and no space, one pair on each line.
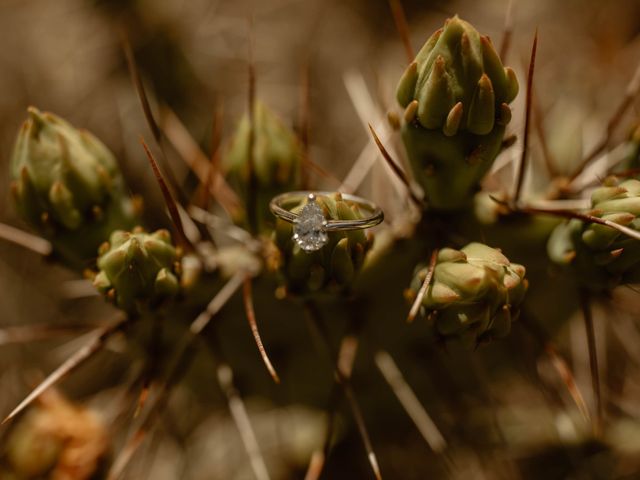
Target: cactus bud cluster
56,440
277,158
334,266
474,295
68,186
137,268
456,96
601,256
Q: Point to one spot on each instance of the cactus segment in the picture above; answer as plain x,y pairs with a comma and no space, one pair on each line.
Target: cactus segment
68,187
474,295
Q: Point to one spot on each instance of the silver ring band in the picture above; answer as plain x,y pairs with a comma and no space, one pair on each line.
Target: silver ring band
310,226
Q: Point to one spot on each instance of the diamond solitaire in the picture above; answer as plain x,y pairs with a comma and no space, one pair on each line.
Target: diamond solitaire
310,227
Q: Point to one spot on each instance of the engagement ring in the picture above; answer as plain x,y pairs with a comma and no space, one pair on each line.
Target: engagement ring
310,227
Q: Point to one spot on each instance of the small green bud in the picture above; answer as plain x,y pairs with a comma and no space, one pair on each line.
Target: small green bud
456,96
137,267
277,158
474,294
67,186
333,268
600,256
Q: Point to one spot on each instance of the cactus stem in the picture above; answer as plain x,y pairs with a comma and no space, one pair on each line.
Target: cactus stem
395,168
314,324
247,297
73,362
522,166
26,240
415,308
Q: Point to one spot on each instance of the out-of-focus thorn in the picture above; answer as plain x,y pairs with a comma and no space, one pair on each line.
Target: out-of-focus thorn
402,26
507,31
415,307
31,242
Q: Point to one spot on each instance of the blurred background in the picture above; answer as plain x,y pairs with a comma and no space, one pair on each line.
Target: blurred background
66,57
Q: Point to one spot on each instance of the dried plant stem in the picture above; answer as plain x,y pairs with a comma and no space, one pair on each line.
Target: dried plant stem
522,166
315,327
33,333
73,362
585,304
247,297
30,242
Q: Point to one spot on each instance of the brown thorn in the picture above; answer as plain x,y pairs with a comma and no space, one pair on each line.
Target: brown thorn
316,329
73,362
31,242
316,464
631,92
169,200
402,27
415,307
305,121
522,167
252,188
568,379
507,31
396,169
247,297
593,361
571,214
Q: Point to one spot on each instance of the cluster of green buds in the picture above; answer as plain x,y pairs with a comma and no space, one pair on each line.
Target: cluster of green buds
137,268
456,95
332,268
601,256
276,155
68,186
474,295
55,439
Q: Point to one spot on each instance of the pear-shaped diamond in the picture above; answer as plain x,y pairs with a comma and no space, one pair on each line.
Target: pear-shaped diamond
308,228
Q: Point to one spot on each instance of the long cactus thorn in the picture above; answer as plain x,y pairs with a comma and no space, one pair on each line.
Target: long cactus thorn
402,26
522,165
170,202
395,168
247,297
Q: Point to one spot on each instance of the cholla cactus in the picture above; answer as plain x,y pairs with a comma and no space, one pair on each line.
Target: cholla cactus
277,157
137,267
474,295
68,186
333,267
601,256
56,440
455,94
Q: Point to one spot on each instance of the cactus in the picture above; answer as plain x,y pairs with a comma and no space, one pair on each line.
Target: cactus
67,186
334,267
137,268
601,257
277,158
456,96
475,294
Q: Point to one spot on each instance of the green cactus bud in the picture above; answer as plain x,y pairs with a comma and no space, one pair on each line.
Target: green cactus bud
456,96
277,157
602,257
67,186
474,295
332,268
137,267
